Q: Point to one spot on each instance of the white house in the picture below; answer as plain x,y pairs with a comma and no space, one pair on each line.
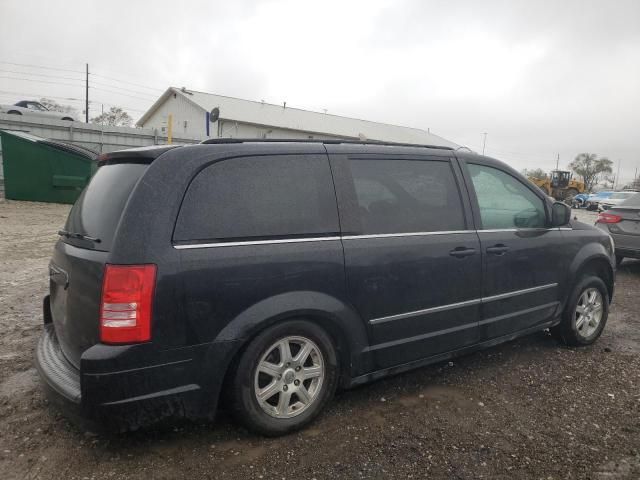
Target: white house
191,116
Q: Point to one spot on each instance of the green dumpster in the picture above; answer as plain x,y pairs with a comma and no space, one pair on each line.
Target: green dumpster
42,170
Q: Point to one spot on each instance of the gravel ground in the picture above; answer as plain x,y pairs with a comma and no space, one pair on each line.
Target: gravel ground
526,409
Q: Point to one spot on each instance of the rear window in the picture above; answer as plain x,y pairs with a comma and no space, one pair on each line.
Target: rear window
259,197
633,201
99,208
621,195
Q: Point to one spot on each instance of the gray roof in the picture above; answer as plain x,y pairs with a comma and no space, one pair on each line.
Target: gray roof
260,113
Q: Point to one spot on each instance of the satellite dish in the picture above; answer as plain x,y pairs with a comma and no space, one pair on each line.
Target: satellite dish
214,115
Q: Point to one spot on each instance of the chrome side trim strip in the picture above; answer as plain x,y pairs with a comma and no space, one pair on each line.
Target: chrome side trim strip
255,242
409,234
466,303
424,336
502,296
353,237
315,239
519,312
497,230
401,341
425,311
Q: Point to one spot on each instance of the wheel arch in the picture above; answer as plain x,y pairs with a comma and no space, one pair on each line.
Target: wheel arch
338,319
598,265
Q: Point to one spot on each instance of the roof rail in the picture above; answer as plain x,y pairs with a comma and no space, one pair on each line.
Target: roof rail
214,141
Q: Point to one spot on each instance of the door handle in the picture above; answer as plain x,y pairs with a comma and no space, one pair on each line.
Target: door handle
461,252
498,249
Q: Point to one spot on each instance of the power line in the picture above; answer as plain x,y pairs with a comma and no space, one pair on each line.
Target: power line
157,89
41,66
40,81
40,75
79,102
41,96
99,102
124,94
92,82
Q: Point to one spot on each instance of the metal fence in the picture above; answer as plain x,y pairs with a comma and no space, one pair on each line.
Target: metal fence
100,138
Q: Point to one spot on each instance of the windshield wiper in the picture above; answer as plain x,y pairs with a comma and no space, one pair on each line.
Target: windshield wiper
81,236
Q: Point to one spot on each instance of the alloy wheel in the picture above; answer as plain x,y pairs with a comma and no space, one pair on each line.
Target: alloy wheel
289,377
588,312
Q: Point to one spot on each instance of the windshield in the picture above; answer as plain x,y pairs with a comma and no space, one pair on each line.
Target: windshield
97,212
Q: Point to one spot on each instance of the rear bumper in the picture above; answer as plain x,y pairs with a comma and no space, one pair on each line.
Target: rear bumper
113,391
55,370
627,246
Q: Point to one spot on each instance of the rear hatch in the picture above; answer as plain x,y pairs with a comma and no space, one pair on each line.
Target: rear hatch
79,257
630,223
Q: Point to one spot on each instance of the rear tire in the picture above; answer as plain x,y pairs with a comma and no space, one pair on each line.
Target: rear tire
585,314
13,112
275,392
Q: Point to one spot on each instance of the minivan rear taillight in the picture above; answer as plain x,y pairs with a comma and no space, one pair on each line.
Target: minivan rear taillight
125,309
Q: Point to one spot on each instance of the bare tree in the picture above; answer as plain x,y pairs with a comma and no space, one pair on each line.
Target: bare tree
635,185
591,168
54,106
534,173
114,117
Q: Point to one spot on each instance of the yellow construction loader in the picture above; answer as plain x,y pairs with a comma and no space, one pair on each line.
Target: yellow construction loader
559,184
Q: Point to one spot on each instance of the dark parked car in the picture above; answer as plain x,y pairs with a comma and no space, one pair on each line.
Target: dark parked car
268,274
622,222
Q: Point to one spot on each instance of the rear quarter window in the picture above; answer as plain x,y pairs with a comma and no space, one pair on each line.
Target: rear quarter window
259,198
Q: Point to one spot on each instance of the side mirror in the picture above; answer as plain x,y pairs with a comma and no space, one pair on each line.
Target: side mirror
560,214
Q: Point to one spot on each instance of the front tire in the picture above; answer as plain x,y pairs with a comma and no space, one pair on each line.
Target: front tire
284,378
585,314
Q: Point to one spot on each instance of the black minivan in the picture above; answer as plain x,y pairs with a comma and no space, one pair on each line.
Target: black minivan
270,273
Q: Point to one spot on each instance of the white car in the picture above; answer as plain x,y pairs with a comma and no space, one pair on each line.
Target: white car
31,108
615,199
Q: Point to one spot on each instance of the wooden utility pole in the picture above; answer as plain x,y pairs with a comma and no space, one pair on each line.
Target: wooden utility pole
86,96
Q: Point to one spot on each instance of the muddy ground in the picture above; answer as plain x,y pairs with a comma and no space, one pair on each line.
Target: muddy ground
527,409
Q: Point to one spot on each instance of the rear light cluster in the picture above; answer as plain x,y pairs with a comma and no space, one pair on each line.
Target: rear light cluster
127,297
608,218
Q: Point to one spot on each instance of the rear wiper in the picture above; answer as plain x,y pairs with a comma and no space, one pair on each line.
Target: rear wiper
81,236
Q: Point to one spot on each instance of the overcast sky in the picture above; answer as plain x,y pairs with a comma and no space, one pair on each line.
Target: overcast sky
540,77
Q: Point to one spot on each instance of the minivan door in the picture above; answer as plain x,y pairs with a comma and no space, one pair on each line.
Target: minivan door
412,261
524,261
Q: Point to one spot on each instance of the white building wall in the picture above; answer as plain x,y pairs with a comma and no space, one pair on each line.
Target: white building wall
188,119
233,129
